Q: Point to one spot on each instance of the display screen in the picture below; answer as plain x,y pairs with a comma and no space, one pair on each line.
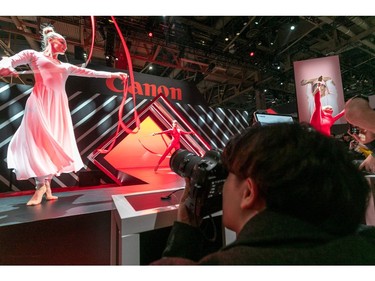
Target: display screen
266,119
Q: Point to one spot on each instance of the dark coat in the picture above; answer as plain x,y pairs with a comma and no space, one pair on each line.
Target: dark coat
270,238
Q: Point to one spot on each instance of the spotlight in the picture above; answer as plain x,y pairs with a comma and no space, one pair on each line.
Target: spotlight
252,54
150,27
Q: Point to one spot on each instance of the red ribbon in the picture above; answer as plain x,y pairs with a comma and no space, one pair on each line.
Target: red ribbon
131,75
121,124
151,151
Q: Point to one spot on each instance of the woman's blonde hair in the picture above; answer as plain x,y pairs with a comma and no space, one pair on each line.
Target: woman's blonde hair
47,33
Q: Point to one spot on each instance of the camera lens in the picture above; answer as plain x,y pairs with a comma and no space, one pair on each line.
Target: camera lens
207,176
182,162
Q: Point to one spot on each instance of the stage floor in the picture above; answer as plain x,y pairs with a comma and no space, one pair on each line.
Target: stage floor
13,208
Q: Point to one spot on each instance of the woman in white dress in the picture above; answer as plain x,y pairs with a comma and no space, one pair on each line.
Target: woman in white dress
328,93
44,145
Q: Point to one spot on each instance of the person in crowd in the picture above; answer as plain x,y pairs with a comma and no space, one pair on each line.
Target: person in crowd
359,114
176,134
44,145
322,119
292,196
359,148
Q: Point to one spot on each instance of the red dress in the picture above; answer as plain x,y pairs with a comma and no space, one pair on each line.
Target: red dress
320,120
175,143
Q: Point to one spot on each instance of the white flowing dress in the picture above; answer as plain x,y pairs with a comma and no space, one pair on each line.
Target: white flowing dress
45,144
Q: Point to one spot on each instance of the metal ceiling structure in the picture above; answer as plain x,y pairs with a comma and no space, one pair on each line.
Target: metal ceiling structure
237,62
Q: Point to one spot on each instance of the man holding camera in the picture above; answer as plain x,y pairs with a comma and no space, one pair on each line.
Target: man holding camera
292,196
359,114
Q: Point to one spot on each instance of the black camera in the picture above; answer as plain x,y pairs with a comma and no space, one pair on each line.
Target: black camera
354,130
207,176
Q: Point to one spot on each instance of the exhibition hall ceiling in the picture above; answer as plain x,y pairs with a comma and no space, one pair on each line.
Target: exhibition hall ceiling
228,58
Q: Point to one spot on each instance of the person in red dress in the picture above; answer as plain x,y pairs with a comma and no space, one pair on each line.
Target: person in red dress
321,118
175,133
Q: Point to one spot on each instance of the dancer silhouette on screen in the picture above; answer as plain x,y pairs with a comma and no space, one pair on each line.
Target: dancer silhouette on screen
175,133
44,145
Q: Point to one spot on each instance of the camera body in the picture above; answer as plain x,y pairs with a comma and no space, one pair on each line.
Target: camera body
207,176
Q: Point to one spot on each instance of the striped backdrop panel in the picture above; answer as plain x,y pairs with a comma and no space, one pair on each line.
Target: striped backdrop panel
95,119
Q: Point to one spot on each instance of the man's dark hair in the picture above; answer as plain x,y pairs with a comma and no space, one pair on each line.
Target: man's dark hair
301,173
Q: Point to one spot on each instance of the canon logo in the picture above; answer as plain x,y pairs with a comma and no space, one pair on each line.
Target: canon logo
147,89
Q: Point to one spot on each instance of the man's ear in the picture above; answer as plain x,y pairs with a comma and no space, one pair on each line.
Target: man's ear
250,195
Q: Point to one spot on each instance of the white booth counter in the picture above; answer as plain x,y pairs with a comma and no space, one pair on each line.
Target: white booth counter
137,213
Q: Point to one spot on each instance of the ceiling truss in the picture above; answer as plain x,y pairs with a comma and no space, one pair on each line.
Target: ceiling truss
213,52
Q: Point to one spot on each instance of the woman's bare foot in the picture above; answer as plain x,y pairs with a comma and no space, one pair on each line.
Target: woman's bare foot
49,195
38,196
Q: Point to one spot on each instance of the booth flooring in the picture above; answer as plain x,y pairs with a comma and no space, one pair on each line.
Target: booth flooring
75,228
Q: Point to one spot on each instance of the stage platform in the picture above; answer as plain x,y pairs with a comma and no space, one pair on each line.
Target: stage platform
78,228
73,230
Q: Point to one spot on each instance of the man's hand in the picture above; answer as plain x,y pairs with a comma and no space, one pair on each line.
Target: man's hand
368,164
183,214
363,136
